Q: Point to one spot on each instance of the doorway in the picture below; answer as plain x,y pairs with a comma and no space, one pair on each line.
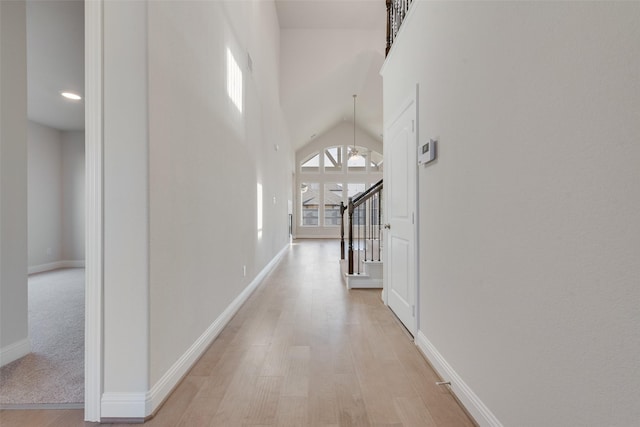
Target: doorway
56,208
400,278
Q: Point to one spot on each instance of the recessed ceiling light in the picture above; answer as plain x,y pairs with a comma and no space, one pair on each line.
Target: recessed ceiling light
71,95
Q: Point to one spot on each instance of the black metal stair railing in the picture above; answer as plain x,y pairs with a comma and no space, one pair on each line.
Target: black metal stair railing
396,11
364,228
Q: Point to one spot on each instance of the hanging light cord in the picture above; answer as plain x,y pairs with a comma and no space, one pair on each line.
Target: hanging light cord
354,152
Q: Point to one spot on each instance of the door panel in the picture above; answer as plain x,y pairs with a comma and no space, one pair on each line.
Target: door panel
400,279
399,197
400,180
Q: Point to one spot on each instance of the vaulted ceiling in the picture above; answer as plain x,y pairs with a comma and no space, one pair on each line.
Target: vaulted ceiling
330,50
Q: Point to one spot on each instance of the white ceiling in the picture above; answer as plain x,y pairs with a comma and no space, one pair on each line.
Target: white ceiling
330,50
55,62
315,101
335,14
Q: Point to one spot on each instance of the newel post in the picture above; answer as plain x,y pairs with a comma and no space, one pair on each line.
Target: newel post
351,209
342,209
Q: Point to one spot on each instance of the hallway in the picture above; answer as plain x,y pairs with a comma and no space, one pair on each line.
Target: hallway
303,351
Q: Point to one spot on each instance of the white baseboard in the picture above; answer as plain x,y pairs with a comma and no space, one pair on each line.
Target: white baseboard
174,375
14,351
123,405
311,236
472,403
56,265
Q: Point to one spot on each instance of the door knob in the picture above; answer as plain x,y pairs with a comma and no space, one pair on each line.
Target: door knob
387,226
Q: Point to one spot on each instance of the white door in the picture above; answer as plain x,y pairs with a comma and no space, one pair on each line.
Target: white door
400,188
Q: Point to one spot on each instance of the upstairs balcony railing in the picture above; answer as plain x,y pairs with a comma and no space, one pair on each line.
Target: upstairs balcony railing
364,228
396,11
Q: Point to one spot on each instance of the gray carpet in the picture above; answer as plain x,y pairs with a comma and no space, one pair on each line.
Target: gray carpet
53,373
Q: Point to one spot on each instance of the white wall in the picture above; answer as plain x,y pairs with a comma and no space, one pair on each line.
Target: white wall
44,194
206,160
330,47
73,185
56,198
126,213
181,168
14,340
529,230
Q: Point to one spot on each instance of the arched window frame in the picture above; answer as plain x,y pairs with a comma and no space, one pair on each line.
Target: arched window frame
322,216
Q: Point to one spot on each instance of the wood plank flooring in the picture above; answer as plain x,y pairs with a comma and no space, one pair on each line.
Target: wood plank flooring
302,351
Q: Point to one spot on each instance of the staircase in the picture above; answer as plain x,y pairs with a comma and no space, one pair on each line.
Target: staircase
362,265
370,275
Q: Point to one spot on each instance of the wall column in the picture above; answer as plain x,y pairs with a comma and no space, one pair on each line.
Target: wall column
14,332
126,211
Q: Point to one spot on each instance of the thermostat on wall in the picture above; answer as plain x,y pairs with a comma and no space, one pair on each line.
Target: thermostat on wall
427,151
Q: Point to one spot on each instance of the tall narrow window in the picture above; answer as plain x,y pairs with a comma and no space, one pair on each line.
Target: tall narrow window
259,208
310,198
234,80
332,199
353,190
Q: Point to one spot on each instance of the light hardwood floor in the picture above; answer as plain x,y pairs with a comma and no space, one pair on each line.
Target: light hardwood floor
302,351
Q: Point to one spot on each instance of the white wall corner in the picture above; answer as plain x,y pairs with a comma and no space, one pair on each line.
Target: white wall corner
79,263
174,375
15,351
56,265
472,403
123,405
41,268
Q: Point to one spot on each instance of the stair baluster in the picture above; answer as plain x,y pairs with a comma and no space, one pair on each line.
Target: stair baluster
366,210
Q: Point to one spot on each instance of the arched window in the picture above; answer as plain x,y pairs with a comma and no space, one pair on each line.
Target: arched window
311,163
333,159
327,178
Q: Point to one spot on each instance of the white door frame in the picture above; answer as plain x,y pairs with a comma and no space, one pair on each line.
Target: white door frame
93,356
411,99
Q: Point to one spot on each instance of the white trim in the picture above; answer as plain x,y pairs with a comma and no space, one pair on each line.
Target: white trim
56,265
362,281
15,351
93,46
174,375
416,229
410,102
319,236
123,405
478,410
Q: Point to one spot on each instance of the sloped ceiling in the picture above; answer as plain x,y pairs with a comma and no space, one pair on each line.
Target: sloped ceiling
331,50
336,14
